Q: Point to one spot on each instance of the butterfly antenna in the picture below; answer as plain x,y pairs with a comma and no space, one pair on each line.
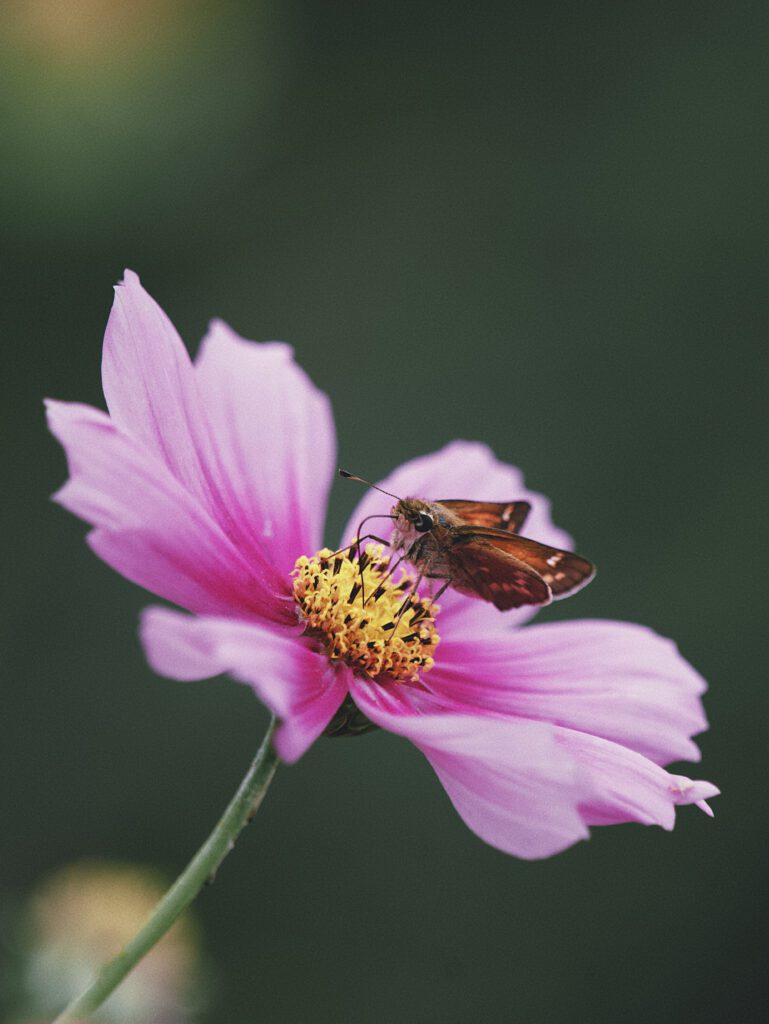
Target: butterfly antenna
351,476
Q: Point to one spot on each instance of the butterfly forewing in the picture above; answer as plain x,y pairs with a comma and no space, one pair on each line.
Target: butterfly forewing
485,570
508,516
563,572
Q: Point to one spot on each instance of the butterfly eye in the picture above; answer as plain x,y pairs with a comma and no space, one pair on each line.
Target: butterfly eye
424,522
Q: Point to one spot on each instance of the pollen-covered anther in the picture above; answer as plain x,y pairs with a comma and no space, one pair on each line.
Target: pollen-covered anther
354,607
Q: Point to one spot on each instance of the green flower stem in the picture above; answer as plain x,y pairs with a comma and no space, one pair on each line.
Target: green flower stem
200,869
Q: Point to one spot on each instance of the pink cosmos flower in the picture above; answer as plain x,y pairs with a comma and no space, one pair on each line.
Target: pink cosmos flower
207,484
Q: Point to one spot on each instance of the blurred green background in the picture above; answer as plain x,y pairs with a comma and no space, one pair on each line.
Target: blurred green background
540,225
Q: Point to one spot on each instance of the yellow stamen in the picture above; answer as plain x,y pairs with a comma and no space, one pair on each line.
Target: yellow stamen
352,608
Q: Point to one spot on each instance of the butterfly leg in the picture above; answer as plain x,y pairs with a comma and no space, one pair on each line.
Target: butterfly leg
382,582
370,536
441,591
357,543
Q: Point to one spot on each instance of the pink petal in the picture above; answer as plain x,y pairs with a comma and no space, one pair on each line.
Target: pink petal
625,786
470,470
299,685
238,428
150,387
274,432
612,679
698,793
507,779
148,526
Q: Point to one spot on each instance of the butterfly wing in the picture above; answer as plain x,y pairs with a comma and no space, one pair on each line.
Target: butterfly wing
564,572
482,569
508,516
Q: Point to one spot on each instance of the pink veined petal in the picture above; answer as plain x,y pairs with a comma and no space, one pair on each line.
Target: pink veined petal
150,386
274,432
469,470
613,679
507,779
625,786
299,685
153,395
148,527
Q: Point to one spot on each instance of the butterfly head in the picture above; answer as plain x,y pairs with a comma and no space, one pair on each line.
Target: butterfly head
413,514
412,519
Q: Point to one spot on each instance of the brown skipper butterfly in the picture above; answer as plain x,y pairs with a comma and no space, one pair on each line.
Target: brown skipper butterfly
475,547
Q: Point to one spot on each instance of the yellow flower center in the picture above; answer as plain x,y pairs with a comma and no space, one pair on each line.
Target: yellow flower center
364,615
